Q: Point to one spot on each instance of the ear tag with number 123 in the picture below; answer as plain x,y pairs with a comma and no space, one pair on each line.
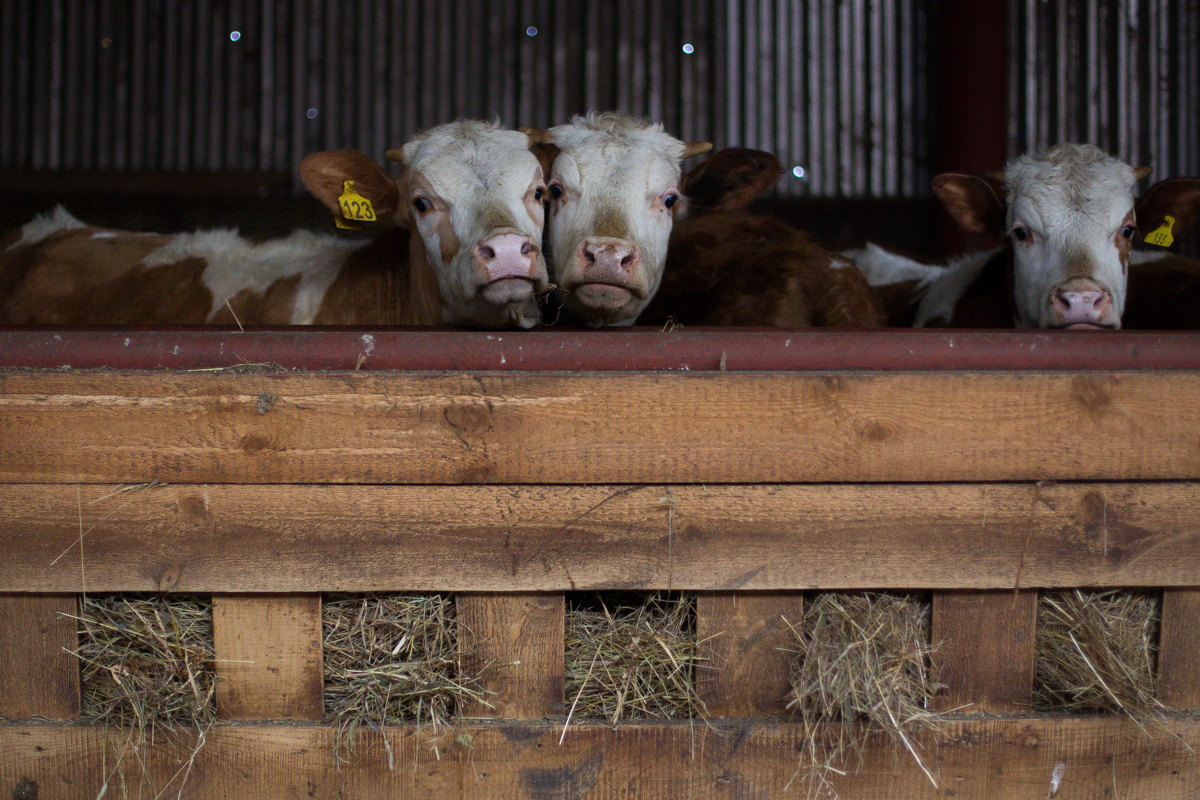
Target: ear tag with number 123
355,208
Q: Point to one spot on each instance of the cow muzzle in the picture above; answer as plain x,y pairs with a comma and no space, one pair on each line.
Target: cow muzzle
607,274
1083,304
509,267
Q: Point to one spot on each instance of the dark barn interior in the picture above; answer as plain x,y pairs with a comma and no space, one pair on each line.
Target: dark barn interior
167,117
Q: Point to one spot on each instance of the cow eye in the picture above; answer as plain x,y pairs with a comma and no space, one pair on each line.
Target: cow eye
422,205
670,199
539,193
1021,234
556,191
1128,231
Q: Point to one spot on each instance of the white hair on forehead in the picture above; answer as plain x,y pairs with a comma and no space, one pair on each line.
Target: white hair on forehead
1079,172
625,132
468,138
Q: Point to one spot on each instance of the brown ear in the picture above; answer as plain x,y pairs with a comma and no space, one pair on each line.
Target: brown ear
324,174
1179,197
731,178
545,152
976,203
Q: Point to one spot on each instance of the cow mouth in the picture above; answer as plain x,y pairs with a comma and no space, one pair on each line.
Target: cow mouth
598,294
1086,326
509,289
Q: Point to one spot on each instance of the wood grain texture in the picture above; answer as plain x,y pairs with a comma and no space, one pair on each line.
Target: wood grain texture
37,673
1008,759
515,646
984,650
1179,649
522,427
268,656
231,538
748,641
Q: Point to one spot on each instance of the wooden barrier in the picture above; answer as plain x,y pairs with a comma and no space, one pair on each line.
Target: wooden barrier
510,489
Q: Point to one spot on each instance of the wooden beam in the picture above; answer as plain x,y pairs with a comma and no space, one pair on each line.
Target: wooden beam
1179,649
521,427
38,676
268,656
1010,759
984,650
514,645
747,640
563,538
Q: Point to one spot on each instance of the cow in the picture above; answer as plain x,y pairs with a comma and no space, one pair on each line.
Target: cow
1069,224
728,267
614,195
458,240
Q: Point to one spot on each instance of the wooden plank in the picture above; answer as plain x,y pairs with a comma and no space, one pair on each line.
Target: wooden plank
748,641
1010,759
268,656
37,673
515,647
563,538
1179,649
984,652
521,427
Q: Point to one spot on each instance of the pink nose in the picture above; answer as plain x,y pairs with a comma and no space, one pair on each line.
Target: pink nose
1081,306
508,255
609,262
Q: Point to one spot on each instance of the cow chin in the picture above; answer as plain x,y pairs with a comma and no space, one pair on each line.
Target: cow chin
506,291
480,313
604,303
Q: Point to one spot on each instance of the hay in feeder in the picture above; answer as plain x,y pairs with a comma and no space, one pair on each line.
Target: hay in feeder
391,659
147,661
631,656
862,658
1095,652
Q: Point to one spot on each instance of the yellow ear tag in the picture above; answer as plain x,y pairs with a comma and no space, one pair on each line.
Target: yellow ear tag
1161,235
355,208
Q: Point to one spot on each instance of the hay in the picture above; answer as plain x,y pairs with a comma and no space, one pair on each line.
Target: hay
631,656
862,658
1095,652
391,659
147,661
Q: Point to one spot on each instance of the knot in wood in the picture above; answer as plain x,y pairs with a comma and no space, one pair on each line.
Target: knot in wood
469,418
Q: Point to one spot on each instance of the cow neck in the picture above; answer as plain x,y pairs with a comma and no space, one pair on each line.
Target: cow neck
384,283
988,300
423,303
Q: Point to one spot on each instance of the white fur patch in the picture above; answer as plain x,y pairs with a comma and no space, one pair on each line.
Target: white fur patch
882,268
46,225
235,265
1147,256
104,235
945,287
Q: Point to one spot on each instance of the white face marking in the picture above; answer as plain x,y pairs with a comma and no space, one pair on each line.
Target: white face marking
46,225
1066,211
468,182
618,181
236,265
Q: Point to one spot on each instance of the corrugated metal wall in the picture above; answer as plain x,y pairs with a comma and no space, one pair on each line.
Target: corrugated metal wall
1122,75
838,88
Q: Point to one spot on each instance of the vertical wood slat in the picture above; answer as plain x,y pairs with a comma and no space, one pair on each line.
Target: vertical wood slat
984,650
268,656
1179,649
747,640
37,673
515,647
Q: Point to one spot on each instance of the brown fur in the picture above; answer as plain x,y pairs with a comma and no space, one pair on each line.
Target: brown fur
364,294
1164,295
735,268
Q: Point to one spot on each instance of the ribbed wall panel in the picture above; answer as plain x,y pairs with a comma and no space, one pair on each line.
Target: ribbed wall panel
1121,75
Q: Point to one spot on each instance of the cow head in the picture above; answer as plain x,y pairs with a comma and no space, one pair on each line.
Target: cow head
474,196
1069,214
614,193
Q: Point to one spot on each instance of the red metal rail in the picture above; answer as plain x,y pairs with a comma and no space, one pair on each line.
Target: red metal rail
629,349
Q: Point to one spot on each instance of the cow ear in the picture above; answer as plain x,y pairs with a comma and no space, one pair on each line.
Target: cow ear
976,203
1178,197
325,175
731,178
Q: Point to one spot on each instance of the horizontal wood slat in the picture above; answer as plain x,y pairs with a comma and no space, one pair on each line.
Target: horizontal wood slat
522,427
1010,759
234,538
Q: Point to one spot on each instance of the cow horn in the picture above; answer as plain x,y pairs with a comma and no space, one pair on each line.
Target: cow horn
395,154
536,135
695,148
1141,172
996,176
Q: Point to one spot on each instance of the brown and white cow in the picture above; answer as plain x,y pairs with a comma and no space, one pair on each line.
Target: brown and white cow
726,266
614,194
1070,220
460,243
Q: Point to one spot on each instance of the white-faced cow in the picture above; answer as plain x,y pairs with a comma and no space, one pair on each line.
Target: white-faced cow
1070,221
726,266
460,243
614,193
